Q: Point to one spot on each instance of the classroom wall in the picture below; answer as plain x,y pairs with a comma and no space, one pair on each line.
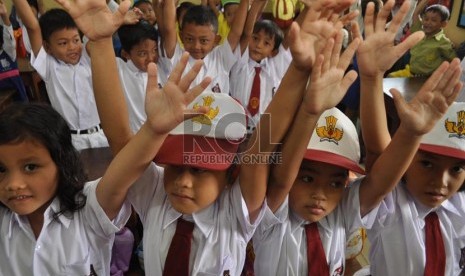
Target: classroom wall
456,34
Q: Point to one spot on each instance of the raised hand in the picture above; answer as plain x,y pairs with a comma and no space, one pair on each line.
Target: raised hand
167,107
94,18
432,100
328,81
132,16
318,22
3,9
377,52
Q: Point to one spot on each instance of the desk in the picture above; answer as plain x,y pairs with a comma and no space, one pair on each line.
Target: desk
31,79
408,87
96,161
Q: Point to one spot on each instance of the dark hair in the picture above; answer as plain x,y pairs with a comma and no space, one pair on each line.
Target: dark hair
271,29
55,20
364,5
183,7
200,15
137,3
41,123
131,35
442,10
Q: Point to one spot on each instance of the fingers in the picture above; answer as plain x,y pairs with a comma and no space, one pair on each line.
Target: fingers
327,52
317,67
369,20
399,101
450,79
336,48
176,74
348,80
190,76
382,16
349,53
197,90
152,76
67,5
124,7
408,43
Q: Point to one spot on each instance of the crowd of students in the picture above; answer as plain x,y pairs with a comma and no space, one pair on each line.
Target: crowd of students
228,145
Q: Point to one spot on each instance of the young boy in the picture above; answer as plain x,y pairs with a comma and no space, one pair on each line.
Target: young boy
426,206
435,47
139,48
200,39
148,13
59,58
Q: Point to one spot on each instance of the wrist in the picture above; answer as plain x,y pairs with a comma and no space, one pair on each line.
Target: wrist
309,113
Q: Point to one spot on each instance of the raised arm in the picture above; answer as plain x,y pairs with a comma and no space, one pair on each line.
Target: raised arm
168,27
255,10
417,117
306,42
327,87
32,24
418,11
376,54
238,23
165,108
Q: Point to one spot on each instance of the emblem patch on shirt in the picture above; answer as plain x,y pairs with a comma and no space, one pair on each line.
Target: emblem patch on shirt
456,129
206,119
330,132
462,258
216,88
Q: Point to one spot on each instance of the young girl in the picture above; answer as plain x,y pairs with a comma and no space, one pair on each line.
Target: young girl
51,222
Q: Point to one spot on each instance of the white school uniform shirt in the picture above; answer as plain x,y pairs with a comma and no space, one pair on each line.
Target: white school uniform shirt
221,231
217,65
69,88
271,74
67,246
397,236
9,43
134,84
280,241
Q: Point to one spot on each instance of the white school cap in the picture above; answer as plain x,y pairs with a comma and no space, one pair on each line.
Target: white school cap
448,135
335,141
209,141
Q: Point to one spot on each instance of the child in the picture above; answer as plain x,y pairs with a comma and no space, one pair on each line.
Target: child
9,73
148,14
139,48
225,17
398,236
59,58
199,36
435,48
43,198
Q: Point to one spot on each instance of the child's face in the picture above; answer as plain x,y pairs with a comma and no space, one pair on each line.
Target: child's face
317,190
28,177
432,178
230,12
142,54
261,46
432,23
65,45
148,13
198,40
190,190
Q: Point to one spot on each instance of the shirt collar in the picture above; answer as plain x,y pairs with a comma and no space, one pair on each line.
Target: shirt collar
297,222
440,35
423,211
204,219
132,67
54,207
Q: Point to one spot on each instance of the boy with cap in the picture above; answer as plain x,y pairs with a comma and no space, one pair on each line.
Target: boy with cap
418,228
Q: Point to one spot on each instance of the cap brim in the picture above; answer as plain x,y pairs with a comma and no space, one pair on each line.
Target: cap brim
333,159
445,151
197,151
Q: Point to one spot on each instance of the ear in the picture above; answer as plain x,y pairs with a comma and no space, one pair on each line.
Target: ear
217,39
46,46
274,52
125,55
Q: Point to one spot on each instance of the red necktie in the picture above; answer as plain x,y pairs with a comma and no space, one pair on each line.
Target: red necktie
316,258
254,100
177,260
249,269
435,252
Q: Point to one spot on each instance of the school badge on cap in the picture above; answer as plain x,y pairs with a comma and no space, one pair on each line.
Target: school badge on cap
208,141
335,141
448,135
